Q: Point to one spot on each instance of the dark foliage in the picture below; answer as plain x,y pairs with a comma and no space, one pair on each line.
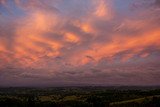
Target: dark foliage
79,97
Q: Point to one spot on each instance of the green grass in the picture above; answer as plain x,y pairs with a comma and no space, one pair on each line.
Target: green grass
138,100
45,98
69,98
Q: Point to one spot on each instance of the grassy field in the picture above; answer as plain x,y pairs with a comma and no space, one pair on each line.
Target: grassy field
80,97
138,100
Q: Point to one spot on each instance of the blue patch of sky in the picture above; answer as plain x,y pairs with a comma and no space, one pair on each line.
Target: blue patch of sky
123,5
74,7
10,9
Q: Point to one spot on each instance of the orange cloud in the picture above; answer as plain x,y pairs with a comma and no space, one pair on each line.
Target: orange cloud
2,47
43,33
70,37
53,40
31,42
86,28
103,9
120,44
144,55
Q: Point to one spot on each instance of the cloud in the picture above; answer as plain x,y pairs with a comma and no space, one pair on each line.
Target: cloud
61,41
157,2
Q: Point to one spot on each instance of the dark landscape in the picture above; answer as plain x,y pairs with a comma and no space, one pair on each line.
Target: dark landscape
79,53
93,96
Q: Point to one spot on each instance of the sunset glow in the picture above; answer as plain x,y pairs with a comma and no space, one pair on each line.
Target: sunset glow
79,42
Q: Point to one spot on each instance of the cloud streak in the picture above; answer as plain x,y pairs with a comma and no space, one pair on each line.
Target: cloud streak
55,40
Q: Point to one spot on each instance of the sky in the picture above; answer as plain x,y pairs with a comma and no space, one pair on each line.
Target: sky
79,42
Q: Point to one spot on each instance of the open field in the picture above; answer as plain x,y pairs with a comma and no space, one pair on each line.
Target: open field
80,97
